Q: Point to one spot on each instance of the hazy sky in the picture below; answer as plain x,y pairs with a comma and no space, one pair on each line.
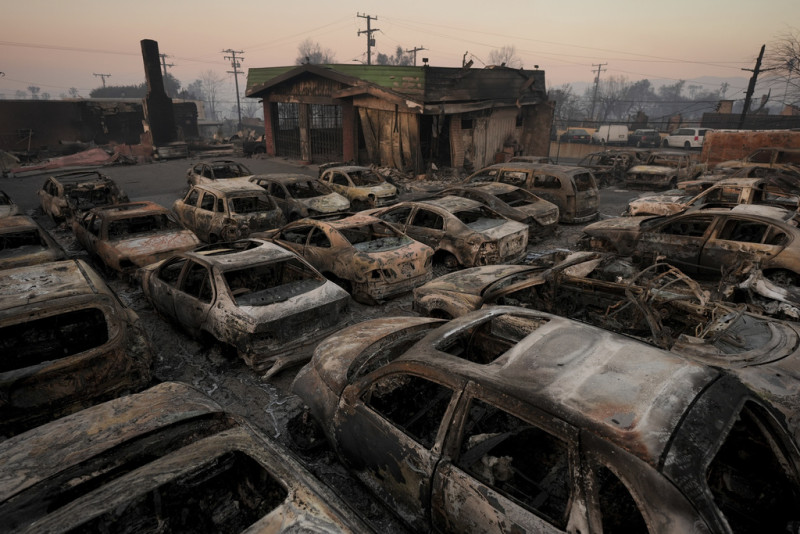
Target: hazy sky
56,45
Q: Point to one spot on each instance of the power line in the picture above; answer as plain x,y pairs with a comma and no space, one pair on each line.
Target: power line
369,31
415,50
103,76
235,64
596,84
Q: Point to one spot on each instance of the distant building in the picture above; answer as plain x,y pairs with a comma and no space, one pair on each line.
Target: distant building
32,126
402,116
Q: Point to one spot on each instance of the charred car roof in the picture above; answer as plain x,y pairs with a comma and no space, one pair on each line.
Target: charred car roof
102,468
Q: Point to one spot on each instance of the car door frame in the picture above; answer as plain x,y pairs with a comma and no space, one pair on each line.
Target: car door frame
687,263
452,483
356,424
719,252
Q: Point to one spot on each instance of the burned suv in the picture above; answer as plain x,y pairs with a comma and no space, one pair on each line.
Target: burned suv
509,419
663,169
226,211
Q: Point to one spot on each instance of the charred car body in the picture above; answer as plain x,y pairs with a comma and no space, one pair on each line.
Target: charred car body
128,236
226,211
725,193
659,305
301,196
514,203
24,242
510,419
368,257
664,169
259,298
611,166
572,189
168,459
66,343
708,241
362,186
462,232
210,171
68,195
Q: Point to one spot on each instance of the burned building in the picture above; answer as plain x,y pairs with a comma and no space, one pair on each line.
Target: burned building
405,117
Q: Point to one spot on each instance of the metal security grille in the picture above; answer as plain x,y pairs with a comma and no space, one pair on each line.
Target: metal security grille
326,133
286,128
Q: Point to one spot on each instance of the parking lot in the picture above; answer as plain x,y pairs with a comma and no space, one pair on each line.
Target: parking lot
224,377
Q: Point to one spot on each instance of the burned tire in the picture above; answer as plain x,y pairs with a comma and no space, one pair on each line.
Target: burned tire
443,263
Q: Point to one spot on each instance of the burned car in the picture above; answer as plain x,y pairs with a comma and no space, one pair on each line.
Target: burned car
68,195
227,211
512,419
263,300
659,305
23,241
663,169
221,169
362,186
7,206
125,237
708,241
66,342
573,189
778,158
462,232
366,256
725,193
514,203
610,166
301,196
168,459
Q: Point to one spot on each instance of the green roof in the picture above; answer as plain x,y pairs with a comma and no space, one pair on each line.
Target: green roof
406,80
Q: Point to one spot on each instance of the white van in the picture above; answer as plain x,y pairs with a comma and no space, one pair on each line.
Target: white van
611,134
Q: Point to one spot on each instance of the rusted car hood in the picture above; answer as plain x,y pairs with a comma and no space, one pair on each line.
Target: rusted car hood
140,250
326,204
666,204
545,213
472,281
617,224
652,169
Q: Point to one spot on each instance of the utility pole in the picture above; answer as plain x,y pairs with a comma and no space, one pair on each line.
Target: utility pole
103,76
751,87
415,50
164,66
369,31
596,85
235,64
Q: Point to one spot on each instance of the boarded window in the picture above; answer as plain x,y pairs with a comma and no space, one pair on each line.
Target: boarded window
517,459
